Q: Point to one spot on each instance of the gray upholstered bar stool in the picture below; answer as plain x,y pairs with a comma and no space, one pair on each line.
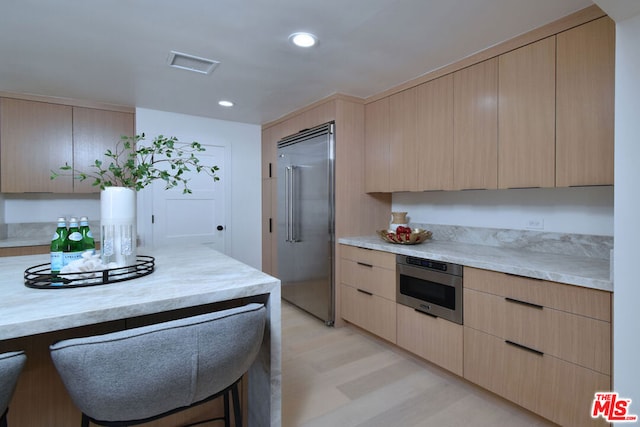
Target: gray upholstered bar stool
11,365
142,374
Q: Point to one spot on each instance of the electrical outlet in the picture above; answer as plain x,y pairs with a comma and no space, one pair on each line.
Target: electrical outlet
534,224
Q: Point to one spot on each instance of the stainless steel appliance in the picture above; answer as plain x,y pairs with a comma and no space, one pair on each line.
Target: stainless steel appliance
306,220
431,287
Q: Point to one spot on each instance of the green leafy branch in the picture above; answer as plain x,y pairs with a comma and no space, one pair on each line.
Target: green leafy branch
135,166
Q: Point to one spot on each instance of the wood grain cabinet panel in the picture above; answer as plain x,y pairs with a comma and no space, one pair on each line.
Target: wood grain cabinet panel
585,104
35,138
379,259
403,148
573,299
370,312
369,278
368,290
543,345
95,131
435,134
553,388
526,116
475,120
577,339
434,339
376,134
269,153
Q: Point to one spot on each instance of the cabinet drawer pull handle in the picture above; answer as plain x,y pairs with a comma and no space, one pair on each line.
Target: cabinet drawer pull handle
528,304
364,264
424,312
365,292
524,347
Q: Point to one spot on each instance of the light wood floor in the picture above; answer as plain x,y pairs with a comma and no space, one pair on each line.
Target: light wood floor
345,377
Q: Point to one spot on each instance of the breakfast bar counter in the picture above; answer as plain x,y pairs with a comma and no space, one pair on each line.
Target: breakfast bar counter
187,280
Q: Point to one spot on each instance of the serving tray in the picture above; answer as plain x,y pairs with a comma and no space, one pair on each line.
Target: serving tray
40,277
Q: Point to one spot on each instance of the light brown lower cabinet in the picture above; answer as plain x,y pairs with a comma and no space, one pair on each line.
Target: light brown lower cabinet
545,346
370,312
553,388
368,290
437,340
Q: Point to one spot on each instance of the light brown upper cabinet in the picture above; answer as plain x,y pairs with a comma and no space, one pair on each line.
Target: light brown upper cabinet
585,104
435,134
526,116
35,137
475,132
403,148
376,131
95,131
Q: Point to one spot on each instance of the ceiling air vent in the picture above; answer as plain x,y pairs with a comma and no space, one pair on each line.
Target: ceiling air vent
191,63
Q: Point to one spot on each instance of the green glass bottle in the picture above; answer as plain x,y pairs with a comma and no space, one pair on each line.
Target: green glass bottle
88,243
73,250
58,246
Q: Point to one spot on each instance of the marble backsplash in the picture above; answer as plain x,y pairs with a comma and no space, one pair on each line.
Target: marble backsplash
37,230
537,241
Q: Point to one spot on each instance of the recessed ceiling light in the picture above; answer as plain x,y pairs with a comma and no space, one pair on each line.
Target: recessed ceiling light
303,39
225,103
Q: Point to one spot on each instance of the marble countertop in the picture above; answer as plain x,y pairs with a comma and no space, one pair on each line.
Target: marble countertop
574,270
13,242
185,276
190,276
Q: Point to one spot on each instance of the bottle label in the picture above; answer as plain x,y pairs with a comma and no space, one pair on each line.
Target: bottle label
89,234
76,236
56,236
69,257
57,261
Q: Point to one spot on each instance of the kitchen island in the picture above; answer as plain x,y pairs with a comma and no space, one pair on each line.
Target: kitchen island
187,280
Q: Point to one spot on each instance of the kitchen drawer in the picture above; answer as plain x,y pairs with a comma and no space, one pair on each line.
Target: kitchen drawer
569,298
371,312
370,278
577,339
437,340
555,389
369,256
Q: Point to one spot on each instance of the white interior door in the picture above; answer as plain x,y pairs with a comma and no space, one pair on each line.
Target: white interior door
197,217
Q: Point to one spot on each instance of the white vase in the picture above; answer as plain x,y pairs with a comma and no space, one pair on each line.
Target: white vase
118,226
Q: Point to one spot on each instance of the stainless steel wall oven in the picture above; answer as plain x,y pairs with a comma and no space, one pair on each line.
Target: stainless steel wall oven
431,287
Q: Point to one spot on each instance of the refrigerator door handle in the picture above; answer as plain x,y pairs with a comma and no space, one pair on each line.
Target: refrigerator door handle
292,205
289,204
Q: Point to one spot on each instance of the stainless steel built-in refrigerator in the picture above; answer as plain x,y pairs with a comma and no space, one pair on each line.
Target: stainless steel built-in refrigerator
306,220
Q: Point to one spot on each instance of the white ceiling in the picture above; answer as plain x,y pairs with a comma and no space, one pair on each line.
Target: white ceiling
115,51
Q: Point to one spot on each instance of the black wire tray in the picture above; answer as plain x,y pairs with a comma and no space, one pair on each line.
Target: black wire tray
40,277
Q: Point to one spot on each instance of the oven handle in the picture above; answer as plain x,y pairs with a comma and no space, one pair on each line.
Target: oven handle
424,312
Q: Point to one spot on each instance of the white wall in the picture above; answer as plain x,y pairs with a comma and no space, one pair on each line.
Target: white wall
39,207
626,326
587,210
242,140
